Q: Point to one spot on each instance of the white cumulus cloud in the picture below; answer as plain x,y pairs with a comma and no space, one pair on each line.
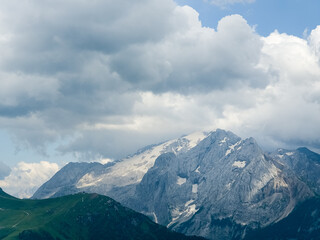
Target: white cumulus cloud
26,178
314,41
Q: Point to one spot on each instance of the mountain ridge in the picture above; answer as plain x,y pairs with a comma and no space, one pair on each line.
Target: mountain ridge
116,174
218,186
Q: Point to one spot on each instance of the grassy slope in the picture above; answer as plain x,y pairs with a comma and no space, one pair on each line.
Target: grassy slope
79,216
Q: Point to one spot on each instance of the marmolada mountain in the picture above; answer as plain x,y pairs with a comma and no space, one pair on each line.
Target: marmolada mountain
210,184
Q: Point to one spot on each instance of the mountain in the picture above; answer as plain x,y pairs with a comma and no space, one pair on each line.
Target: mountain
79,216
221,188
117,179
302,223
304,163
218,186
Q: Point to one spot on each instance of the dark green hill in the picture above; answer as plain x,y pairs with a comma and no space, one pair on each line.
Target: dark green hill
79,216
303,223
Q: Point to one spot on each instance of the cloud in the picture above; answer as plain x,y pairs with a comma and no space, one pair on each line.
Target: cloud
103,78
4,170
314,41
197,59
21,93
26,178
286,112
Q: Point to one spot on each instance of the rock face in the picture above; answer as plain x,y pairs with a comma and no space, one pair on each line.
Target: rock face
214,185
302,223
304,163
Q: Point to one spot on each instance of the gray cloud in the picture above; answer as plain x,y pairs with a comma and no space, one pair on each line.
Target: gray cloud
197,59
53,37
95,143
4,170
108,77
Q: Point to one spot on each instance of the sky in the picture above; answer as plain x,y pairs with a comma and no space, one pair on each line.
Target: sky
87,80
293,17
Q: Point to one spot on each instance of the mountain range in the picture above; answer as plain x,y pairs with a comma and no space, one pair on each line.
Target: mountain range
210,184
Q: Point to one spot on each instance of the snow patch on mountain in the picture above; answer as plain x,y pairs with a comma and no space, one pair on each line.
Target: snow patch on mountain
228,152
105,160
194,188
188,203
183,214
88,180
223,141
181,180
231,148
194,139
239,164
